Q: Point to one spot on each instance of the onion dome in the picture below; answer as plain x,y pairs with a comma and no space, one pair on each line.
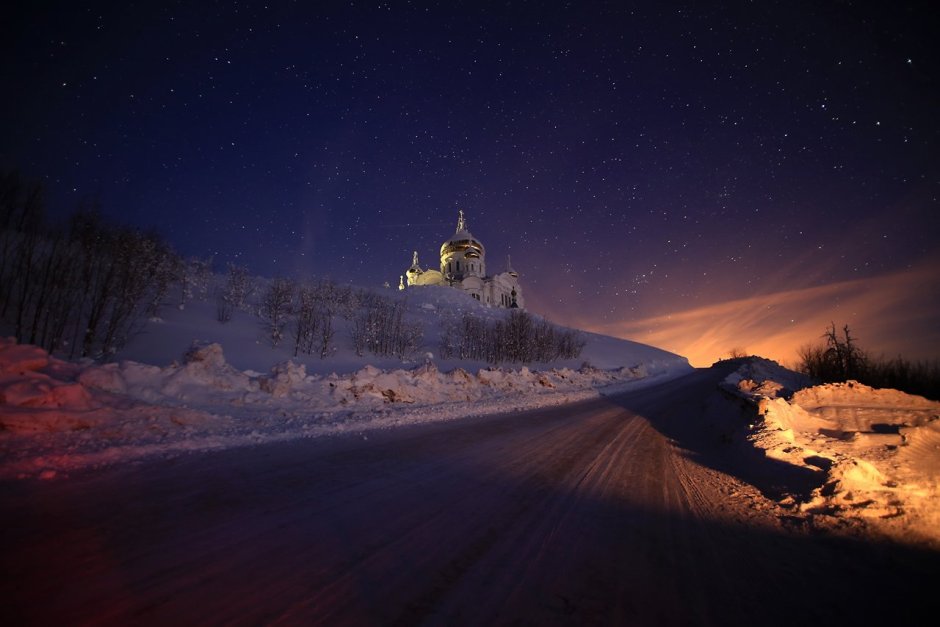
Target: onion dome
462,241
414,271
415,268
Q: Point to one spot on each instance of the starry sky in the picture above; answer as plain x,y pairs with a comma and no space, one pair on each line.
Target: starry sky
698,176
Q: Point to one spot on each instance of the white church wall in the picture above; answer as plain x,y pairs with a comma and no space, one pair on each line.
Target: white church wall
463,266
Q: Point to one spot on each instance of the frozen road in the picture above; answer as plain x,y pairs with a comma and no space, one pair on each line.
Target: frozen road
625,511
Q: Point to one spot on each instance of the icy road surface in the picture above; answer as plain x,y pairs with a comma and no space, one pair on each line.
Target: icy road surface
624,511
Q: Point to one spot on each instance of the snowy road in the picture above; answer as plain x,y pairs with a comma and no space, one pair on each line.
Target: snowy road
626,510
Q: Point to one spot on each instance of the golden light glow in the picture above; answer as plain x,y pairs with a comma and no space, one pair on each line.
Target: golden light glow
892,314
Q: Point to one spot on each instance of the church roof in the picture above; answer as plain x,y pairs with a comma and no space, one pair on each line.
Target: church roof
462,238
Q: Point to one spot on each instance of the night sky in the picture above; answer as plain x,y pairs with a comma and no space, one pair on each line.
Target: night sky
700,178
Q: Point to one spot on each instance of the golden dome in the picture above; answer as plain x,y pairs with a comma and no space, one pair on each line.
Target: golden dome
463,242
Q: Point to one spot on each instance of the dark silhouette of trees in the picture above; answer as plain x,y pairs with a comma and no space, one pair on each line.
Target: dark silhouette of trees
236,293
381,327
276,308
520,338
841,359
79,290
193,276
313,312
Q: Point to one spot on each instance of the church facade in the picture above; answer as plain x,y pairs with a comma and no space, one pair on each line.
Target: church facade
463,266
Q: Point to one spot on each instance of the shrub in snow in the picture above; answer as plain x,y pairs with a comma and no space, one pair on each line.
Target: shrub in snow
236,293
312,321
223,308
339,300
165,271
381,328
276,308
519,338
193,277
239,286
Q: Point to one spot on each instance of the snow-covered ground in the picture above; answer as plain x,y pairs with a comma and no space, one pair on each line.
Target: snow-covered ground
877,450
175,388
247,346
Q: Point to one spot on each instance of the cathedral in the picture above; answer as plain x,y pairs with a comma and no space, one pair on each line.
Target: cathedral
463,266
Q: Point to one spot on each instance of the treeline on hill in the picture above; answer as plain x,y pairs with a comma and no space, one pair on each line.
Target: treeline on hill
305,313
841,359
79,289
520,338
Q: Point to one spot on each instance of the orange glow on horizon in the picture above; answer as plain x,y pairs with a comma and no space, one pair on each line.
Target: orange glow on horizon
895,314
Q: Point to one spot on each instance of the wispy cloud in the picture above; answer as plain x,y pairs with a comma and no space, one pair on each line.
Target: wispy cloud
892,314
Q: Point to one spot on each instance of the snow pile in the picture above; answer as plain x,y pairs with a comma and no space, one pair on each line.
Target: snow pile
35,398
56,416
877,451
205,380
52,421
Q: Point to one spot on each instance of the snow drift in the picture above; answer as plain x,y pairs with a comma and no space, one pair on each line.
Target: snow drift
877,451
58,416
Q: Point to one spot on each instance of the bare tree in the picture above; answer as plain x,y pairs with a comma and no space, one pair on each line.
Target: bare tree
234,293
276,308
305,320
223,308
166,268
85,287
193,276
380,327
238,287
838,360
11,206
324,318
136,257
518,338
27,257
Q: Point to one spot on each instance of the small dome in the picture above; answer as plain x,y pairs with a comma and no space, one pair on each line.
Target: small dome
509,269
415,268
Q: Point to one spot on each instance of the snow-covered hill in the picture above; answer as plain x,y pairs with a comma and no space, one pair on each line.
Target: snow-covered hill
247,347
188,382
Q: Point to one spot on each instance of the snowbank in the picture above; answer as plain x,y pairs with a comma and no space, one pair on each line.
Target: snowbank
56,416
878,450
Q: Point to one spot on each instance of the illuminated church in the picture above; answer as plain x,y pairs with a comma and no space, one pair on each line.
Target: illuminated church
463,266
